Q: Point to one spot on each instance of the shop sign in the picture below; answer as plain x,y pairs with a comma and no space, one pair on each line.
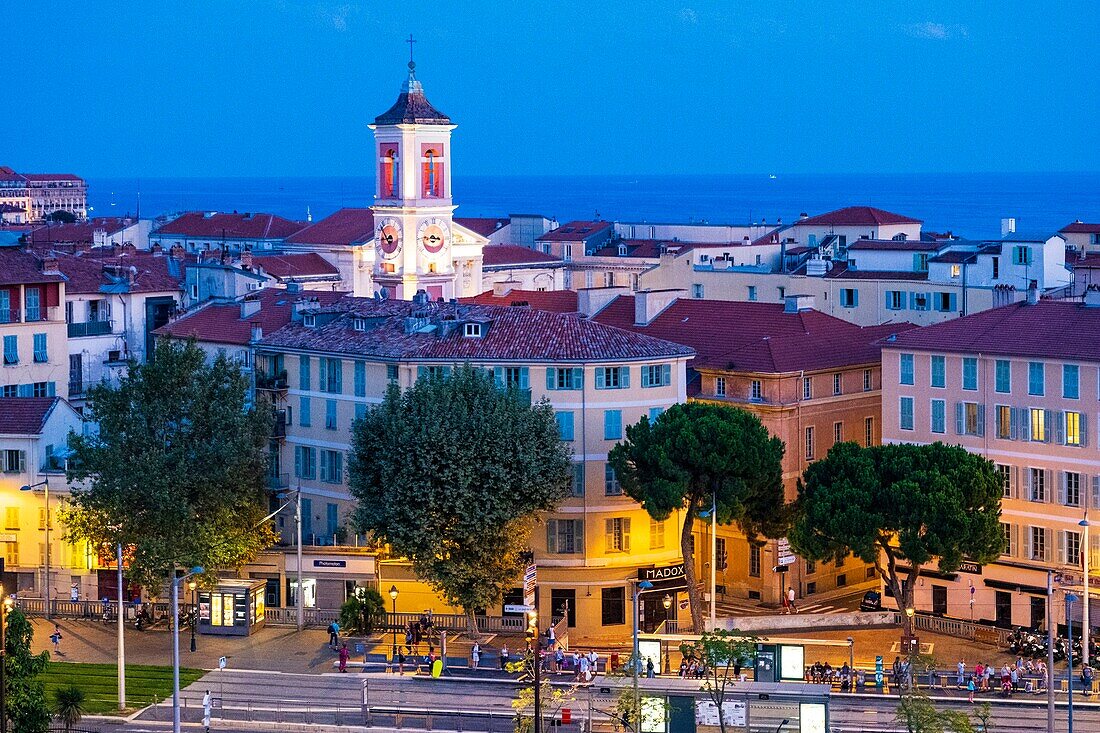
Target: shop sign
669,572
968,566
330,563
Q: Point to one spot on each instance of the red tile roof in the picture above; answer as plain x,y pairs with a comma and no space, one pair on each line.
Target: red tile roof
1080,227
575,231
412,108
346,226
756,337
858,216
18,265
231,226
499,255
511,334
7,174
222,323
103,271
52,177
1047,330
650,248
78,232
840,270
306,264
485,226
555,301
25,415
895,245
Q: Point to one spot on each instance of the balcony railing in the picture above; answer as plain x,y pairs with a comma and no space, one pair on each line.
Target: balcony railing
278,481
30,315
271,382
278,430
89,328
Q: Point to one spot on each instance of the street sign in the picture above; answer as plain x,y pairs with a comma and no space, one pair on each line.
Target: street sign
878,671
518,609
530,579
784,552
222,661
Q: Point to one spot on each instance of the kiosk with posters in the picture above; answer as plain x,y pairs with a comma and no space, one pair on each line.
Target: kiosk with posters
234,608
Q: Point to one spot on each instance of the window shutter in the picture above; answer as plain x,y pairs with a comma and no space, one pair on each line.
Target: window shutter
1030,484
1060,428
960,419
577,382
26,390
421,372
1011,482
551,536
916,262
578,535
322,374
298,461
524,378
551,373
1094,551
666,374
625,377
888,300
601,376
1025,423
609,534
1013,424
51,389
954,301
626,534
1047,478
1048,420
498,376
855,297
1062,547
1029,550
1096,490
1014,538
338,467
339,389
1062,488
981,420
1084,430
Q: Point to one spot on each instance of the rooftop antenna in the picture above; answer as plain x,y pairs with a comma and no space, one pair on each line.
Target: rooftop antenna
309,216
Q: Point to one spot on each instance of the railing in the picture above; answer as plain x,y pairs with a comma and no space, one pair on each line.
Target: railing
76,389
310,616
278,480
272,382
89,328
160,612
459,622
9,315
961,629
42,313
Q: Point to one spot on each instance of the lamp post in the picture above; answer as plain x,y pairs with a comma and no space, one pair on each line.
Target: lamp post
5,606
910,612
713,514
299,603
393,653
1050,651
194,613
639,586
1086,619
121,639
45,484
851,656
667,603
1070,599
176,643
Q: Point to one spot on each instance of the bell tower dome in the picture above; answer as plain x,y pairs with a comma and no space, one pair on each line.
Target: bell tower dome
412,207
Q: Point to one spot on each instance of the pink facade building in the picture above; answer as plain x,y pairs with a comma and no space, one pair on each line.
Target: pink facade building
1018,385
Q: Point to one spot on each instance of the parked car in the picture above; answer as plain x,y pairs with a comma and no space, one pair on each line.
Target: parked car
872,601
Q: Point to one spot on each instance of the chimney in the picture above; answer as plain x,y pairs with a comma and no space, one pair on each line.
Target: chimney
783,255
1032,293
116,249
177,251
49,266
746,241
250,307
257,331
1008,226
803,216
157,249
421,297
293,287
649,303
798,303
591,301
246,259
503,288
1092,296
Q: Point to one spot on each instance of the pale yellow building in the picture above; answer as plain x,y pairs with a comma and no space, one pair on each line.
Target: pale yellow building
33,333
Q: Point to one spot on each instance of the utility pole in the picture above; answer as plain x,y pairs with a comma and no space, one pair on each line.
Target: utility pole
1050,651
299,610
121,638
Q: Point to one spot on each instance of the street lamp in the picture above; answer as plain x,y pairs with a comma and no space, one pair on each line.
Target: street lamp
910,612
1086,618
851,657
635,659
45,485
667,603
197,570
5,606
194,613
1070,600
393,597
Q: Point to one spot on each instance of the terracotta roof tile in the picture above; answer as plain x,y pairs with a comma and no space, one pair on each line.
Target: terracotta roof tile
223,323
1080,227
858,216
306,264
895,245
346,226
18,265
485,226
102,271
498,255
78,232
25,415
555,301
412,107
231,226
575,231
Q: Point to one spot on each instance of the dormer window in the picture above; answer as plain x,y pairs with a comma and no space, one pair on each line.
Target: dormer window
900,237
309,321
359,324
622,250
472,330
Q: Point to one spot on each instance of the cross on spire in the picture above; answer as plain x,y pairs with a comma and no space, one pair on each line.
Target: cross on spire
410,41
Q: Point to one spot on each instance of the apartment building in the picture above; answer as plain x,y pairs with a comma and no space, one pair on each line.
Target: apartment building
102,231
32,325
41,194
212,230
1081,237
520,268
329,364
1019,386
813,380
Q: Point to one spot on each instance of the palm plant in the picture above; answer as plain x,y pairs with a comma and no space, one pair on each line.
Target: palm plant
69,705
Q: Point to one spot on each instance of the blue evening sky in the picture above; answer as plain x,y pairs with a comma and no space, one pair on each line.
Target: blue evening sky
286,87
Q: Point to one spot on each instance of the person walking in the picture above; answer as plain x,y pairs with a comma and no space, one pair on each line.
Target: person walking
649,671
970,690
790,600
207,703
559,659
344,654
504,657
401,661
960,678
55,637
333,635
475,655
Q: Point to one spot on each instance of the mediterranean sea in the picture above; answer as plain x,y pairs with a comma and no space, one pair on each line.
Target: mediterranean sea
967,204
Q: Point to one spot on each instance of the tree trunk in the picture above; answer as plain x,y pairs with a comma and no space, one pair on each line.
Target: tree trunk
903,593
695,599
471,625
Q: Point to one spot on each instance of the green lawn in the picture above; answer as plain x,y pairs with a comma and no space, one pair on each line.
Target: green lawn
144,685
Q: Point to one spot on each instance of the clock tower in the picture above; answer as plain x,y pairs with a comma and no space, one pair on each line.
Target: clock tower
412,207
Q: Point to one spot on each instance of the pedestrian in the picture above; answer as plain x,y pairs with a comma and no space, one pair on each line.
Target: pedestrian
333,634
207,703
960,679
576,665
895,672
1086,679
970,689
401,661
344,654
649,671
737,668
559,659
790,599
683,668
585,663
475,655
55,637
550,638
594,659
504,657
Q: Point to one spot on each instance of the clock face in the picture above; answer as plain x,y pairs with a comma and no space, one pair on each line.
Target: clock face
389,237
432,235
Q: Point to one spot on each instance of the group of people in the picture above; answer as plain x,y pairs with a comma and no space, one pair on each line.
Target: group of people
826,674
695,669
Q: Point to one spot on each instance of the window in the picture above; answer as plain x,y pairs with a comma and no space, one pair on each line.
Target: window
11,517
11,350
849,298
906,413
807,388
939,416
895,300
360,379
565,425
996,261
617,534
1073,426
754,561
810,443
838,432
330,375
471,330
304,417
657,375
14,461
42,389
970,373
1071,389
838,384
303,373
305,462
564,536
360,410
432,372
613,606
939,371
956,270
654,413
33,297
391,372
752,292
611,485
945,302
612,424
919,302
1038,425
1070,491
811,567
1069,549
1005,472
868,431
697,290
905,368
576,481
612,377
332,466
720,386
868,384
1036,378
656,534
1037,484
564,378
1021,255
756,390
40,355
1006,424
920,261
1004,376
969,418
1038,549
330,414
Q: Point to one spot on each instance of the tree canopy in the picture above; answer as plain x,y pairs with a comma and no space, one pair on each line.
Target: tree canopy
452,473
696,451
175,467
900,503
25,702
61,216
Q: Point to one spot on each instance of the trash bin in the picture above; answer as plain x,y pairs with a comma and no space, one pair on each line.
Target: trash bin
614,664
